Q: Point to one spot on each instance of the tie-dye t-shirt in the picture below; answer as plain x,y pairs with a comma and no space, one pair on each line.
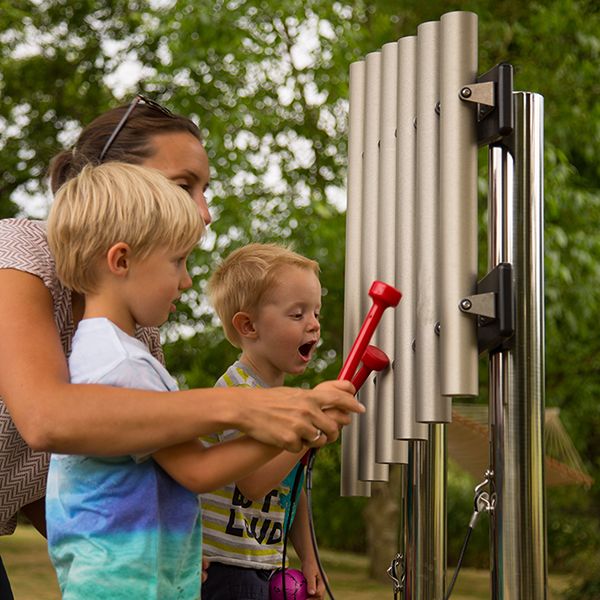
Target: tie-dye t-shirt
120,527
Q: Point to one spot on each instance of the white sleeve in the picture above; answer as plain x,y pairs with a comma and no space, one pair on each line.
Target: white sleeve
135,374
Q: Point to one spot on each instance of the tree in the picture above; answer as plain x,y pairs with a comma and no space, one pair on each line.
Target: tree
267,81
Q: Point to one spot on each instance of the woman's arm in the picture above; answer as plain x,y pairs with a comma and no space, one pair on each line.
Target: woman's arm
300,537
53,415
201,469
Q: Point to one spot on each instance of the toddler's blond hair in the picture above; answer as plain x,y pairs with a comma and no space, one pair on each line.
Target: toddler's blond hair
241,281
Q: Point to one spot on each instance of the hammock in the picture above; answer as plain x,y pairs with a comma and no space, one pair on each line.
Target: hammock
468,445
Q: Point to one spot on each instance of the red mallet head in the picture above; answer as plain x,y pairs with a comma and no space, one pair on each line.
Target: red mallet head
295,585
383,295
373,359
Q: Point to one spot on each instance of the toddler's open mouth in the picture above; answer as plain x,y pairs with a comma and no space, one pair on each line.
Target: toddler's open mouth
305,350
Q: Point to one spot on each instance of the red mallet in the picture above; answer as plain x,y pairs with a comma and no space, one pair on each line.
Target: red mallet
383,295
373,359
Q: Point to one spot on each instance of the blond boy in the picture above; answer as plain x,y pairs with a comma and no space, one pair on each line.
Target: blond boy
123,527
268,299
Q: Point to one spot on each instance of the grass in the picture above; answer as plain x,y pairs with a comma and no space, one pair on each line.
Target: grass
32,578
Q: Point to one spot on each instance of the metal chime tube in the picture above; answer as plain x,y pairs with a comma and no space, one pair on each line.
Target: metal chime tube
459,355
431,406
406,426
350,484
517,376
387,449
368,468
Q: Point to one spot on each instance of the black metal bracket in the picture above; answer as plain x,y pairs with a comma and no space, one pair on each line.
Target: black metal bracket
493,305
493,95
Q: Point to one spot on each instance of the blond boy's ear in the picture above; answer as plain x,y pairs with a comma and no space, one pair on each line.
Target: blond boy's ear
118,258
244,325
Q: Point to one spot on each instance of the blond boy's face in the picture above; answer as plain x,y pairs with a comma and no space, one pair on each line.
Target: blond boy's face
154,284
287,325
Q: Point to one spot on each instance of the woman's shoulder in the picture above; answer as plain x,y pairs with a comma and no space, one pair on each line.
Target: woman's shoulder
23,226
24,247
22,239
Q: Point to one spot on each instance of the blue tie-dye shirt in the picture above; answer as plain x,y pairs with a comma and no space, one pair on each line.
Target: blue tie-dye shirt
120,528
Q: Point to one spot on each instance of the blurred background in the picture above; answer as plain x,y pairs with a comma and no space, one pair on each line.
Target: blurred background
267,81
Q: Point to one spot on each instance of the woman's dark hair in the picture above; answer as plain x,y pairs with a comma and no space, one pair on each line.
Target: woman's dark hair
132,144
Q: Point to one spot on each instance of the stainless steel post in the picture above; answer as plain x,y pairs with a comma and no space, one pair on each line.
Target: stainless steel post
436,513
417,575
518,526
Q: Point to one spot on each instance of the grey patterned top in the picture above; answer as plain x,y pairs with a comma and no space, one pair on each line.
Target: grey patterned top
23,247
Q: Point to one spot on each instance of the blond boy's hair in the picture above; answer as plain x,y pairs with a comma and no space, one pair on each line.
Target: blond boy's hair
117,202
240,283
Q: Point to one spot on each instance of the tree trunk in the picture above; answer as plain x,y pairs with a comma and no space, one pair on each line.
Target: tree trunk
382,515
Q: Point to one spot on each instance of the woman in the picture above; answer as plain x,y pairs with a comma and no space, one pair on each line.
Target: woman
40,412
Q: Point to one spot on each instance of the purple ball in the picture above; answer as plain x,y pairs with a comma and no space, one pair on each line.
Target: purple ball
295,585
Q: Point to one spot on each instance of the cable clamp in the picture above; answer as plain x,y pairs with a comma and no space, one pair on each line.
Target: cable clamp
398,580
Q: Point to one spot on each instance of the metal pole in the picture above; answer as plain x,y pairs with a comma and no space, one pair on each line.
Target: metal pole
417,579
436,514
518,538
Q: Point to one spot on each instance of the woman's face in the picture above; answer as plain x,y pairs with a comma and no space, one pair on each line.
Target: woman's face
183,159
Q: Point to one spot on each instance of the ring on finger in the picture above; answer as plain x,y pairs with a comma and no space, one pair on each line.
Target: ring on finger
319,434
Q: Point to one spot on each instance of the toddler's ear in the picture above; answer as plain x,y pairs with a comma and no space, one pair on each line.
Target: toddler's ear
244,325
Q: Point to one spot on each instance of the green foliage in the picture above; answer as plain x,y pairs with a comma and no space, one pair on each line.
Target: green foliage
267,81
338,521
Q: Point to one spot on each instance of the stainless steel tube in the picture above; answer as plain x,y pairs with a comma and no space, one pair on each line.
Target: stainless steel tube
406,426
431,406
459,356
387,449
368,469
518,538
350,485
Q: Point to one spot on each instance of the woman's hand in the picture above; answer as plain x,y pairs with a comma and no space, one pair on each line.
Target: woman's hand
293,417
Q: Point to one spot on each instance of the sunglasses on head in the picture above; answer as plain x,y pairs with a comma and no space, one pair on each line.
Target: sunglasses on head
139,98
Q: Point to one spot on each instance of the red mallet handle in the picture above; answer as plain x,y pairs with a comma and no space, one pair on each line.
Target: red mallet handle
373,359
383,295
